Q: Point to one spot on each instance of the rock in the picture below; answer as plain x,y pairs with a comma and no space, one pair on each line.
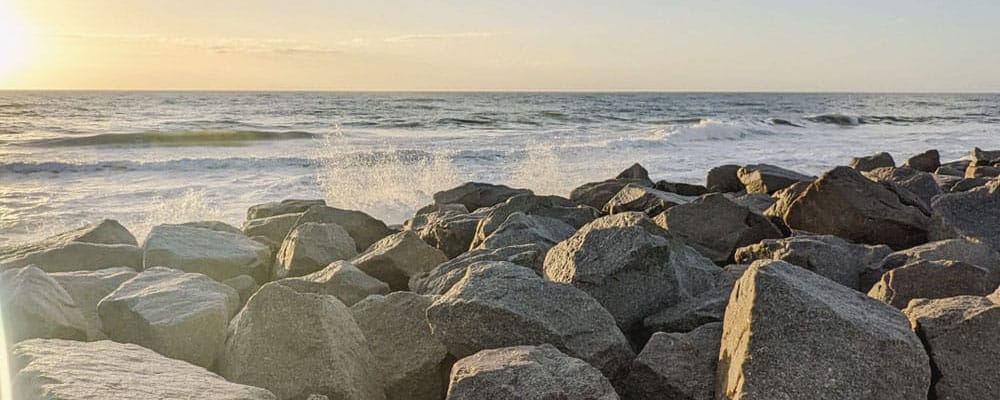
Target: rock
274,228
340,279
928,161
784,199
311,345
290,206
452,234
920,183
217,226
107,231
984,157
631,266
440,279
520,229
644,199
953,168
597,194
475,195
75,256
180,315
244,285
70,370
677,366
499,304
868,163
635,171
87,288
434,207
933,280
683,189
969,251
310,247
724,179
33,305
410,360
846,204
439,211
972,215
981,171
706,308
398,257
826,255
946,182
757,202
766,178
527,372
220,255
792,334
545,206
967,184
960,334
363,228
716,226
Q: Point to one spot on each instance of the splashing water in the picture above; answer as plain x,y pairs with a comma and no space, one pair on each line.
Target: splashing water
191,205
543,172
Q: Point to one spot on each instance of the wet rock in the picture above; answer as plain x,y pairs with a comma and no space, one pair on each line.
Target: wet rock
220,255
475,195
521,229
340,279
34,305
972,215
244,285
766,178
440,279
768,352
643,199
868,163
312,246
545,206
933,280
826,255
70,370
289,206
683,189
677,366
527,372
363,228
87,288
180,315
398,257
928,161
716,226
296,344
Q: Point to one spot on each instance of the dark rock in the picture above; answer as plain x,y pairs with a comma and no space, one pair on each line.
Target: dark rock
340,279
475,195
398,257
766,178
677,366
984,157
683,189
826,255
933,280
981,171
724,179
290,206
363,228
33,305
716,226
868,163
643,199
953,168
920,183
928,161
312,246
444,276
967,184
974,215
636,171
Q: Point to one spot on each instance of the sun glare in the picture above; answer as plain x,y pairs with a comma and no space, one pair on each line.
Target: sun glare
14,42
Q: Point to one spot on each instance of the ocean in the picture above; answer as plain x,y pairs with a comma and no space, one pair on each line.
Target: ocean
145,158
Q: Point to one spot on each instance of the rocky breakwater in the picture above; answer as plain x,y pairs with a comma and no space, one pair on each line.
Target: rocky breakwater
869,281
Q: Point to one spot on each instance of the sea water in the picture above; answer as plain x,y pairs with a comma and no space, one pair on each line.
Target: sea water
145,158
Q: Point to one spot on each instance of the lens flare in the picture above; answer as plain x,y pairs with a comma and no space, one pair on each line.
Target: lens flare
15,43
6,392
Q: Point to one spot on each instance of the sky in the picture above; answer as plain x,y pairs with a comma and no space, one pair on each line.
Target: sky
706,45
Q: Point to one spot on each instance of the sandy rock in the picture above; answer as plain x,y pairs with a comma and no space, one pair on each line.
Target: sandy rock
440,279
972,215
70,370
724,179
499,304
476,195
289,206
363,228
644,199
933,280
521,229
33,305
87,288
868,163
528,373
716,226
677,366
220,255
769,351
340,279
928,161
545,206
180,315
826,255
410,360
310,247
296,344
766,178
398,257
244,285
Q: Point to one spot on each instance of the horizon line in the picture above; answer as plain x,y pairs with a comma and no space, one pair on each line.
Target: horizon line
567,91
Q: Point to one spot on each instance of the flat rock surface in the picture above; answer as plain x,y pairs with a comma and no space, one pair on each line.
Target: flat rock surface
220,255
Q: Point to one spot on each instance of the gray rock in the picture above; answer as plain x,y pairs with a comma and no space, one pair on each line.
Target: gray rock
981,171
826,255
972,215
220,255
180,315
683,189
643,199
631,266
296,344
960,334
716,226
922,184
545,206
410,360
597,194
33,305
758,202
107,231
967,184
340,279
289,206
475,195
868,163
677,366
274,228
499,304
440,279
933,280
635,171
310,247
398,257
792,334
87,288
527,373
706,308
970,251
846,204
363,228
75,256
452,233
766,178
928,161
217,226
953,168
520,229
70,370
434,207
724,179
438,211
244,285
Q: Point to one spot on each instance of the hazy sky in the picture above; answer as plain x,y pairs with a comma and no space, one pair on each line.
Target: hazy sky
771,45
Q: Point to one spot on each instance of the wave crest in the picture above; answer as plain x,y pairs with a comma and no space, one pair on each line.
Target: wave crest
176,138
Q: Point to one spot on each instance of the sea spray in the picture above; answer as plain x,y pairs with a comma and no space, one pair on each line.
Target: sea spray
190,205
542,171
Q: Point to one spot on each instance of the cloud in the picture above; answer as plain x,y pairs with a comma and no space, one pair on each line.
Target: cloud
219,45
423,37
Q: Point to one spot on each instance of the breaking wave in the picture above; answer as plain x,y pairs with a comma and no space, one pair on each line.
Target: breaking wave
176,138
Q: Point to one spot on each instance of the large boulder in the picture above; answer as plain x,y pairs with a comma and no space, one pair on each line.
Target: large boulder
220,255
970,251
705,308
868,163
398,257
933,280
475,195
972,215
527,373
217,226
340,279
844,203
683,189
107,231
440,279
274,228
310,247
792,334
644,199
635,171
928,161
33,305
922,184
363,228
829,256
520,229
102,245
289,206
546,206
180,315
679,366
433,212
452,233
960,334
597,194
953,168
71,370
296,344
499,304
244,285
87,288
724,179
631,266
766,178
410,360
716,226
784,198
